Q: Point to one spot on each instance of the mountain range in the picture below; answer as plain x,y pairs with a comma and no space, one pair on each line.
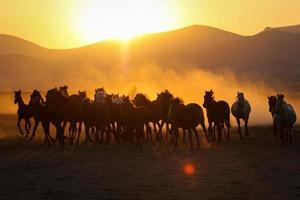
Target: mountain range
271,56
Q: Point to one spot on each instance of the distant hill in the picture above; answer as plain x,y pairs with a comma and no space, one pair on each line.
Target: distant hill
290,29
272,56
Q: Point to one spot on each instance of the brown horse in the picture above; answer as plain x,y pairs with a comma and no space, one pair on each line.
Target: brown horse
153,107
164,99
134,119
187,117
24,112
218,113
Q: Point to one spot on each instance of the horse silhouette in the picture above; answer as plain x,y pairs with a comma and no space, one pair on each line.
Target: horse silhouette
24,112
164,99
153,108
272,104
55,113
101,116
286,118
134,120
36,103
187,117
241,109
75,114
218,113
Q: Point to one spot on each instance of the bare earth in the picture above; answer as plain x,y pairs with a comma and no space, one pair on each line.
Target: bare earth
254,168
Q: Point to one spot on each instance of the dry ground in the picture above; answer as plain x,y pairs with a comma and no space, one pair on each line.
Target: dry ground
254,168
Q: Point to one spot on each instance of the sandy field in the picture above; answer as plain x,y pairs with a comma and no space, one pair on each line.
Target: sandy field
254,168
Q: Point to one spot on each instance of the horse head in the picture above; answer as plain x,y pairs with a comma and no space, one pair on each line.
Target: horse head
272,102
36,97
82,94
279,103
141,100
64,90
18,96
208,98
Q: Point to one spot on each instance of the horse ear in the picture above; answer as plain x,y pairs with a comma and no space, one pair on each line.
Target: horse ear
20,90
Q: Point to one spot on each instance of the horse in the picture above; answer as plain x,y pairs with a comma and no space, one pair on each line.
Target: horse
24,112
153,107
241,109
164,100
272,104
218,112
187,117
286,118
75,114
37,105
101,115
55,113
134,118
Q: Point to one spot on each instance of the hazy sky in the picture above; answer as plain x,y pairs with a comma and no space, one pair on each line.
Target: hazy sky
71,23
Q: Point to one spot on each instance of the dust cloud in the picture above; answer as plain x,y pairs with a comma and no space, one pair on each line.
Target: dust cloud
150,79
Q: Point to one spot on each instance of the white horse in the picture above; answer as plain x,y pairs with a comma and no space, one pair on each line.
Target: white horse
286,118
241,109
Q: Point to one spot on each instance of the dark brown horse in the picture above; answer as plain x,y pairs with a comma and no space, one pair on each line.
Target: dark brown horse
272,104
75,114
36,103
164,99
24,112
40,114
134,119
218,114
153,107
187,117
55,113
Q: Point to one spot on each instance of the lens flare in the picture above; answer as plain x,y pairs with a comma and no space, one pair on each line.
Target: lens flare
189,169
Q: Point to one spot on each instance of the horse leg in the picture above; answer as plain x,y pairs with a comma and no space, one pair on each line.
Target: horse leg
210,132
176,136
18,124
148,128
246,127
167,130
46,128
27,127
79,132
190,138
36,123
204,130
239,128
291,134
183,136
197,138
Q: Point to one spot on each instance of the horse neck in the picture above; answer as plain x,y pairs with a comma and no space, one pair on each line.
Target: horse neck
20,102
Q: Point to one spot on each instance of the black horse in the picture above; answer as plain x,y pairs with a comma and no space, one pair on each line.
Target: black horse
24,112
218,113
187,117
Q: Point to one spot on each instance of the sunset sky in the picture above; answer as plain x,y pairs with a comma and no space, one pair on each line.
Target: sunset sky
73,23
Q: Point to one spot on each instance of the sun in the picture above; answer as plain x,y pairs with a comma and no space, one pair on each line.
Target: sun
97,20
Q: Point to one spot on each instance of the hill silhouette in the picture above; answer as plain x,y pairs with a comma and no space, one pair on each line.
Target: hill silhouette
271,56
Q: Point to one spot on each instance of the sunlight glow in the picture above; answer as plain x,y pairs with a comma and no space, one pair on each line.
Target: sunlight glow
97,20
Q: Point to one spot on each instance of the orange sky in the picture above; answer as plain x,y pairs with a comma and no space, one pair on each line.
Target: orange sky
72,23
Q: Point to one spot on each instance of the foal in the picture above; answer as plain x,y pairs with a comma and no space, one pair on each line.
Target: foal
24,112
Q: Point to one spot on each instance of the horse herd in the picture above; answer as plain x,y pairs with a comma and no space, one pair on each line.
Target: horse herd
110,117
